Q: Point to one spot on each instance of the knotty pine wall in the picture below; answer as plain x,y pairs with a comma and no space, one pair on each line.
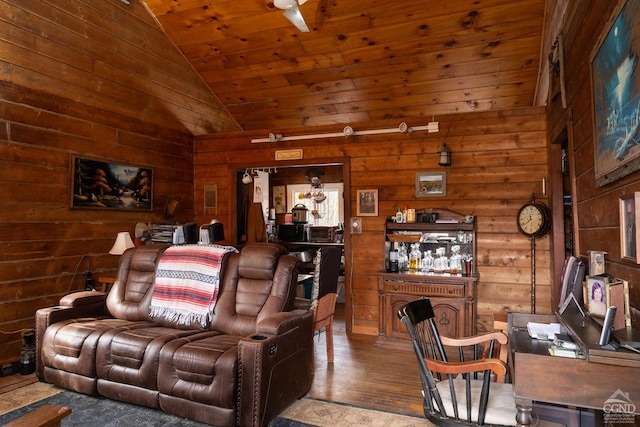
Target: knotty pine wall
96,79
499,160
596,208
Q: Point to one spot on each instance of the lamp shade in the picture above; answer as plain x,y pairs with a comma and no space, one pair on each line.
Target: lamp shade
216,231
123,242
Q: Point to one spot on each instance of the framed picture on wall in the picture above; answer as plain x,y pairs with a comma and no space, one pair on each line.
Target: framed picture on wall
431,184
367,203
615,83
211,198
102,184
279,199
629,232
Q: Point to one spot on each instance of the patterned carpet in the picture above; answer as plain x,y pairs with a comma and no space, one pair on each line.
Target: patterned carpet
87,411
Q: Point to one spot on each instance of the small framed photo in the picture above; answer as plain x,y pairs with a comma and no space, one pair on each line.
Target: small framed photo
431,184
596,295
367,203
629,233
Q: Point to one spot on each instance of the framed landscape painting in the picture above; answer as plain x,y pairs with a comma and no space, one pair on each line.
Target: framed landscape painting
615,81
431,184
100,184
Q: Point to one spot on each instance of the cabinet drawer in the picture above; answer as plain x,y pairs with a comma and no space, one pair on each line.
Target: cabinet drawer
409,288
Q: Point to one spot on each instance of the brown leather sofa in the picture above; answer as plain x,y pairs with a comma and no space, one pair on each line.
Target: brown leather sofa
251,362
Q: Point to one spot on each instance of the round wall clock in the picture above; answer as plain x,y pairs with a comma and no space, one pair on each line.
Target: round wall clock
534,219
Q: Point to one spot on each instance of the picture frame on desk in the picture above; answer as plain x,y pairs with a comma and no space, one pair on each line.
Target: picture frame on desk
604,291
595,295
618,295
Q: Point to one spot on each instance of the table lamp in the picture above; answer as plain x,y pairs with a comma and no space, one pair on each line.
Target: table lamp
122,243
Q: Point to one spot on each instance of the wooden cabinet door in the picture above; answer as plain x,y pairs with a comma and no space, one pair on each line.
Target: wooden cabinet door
449,313
394,328
450,317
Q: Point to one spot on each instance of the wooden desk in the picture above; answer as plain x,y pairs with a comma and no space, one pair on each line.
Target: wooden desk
584,383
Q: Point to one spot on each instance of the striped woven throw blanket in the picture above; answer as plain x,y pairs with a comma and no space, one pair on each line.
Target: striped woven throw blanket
187,283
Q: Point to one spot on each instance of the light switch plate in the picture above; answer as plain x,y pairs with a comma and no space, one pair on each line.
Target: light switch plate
356,225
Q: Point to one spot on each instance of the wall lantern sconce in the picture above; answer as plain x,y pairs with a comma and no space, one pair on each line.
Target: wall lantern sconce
444,156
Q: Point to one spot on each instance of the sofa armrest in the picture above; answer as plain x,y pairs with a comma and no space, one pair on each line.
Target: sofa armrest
276,366
279,323
83,298
72,306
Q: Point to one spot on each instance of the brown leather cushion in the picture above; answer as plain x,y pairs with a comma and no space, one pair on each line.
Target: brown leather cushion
201,368
71,345
257,282
130,296
131,357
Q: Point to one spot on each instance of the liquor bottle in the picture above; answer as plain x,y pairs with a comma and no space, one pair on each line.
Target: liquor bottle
399,216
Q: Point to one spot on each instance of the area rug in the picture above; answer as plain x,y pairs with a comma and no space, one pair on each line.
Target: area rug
88,411
25,396
320,413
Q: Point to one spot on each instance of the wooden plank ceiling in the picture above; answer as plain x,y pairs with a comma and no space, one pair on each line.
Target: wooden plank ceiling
362,61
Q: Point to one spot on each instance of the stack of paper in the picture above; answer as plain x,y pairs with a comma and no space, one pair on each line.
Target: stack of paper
562,352
543,331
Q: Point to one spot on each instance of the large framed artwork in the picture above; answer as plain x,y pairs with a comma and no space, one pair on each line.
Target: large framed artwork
101,184
615,81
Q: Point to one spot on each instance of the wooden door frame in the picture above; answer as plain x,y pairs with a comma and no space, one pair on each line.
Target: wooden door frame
233,169
557,203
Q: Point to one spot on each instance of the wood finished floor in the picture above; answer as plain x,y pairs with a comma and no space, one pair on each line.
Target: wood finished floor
366,372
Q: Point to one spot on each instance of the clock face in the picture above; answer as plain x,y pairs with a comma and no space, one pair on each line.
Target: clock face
533,220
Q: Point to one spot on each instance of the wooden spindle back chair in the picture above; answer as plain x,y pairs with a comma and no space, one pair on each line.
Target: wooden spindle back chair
461,390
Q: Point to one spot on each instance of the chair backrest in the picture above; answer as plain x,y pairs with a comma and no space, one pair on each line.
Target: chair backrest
326,272
130,295
418,316
257,282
